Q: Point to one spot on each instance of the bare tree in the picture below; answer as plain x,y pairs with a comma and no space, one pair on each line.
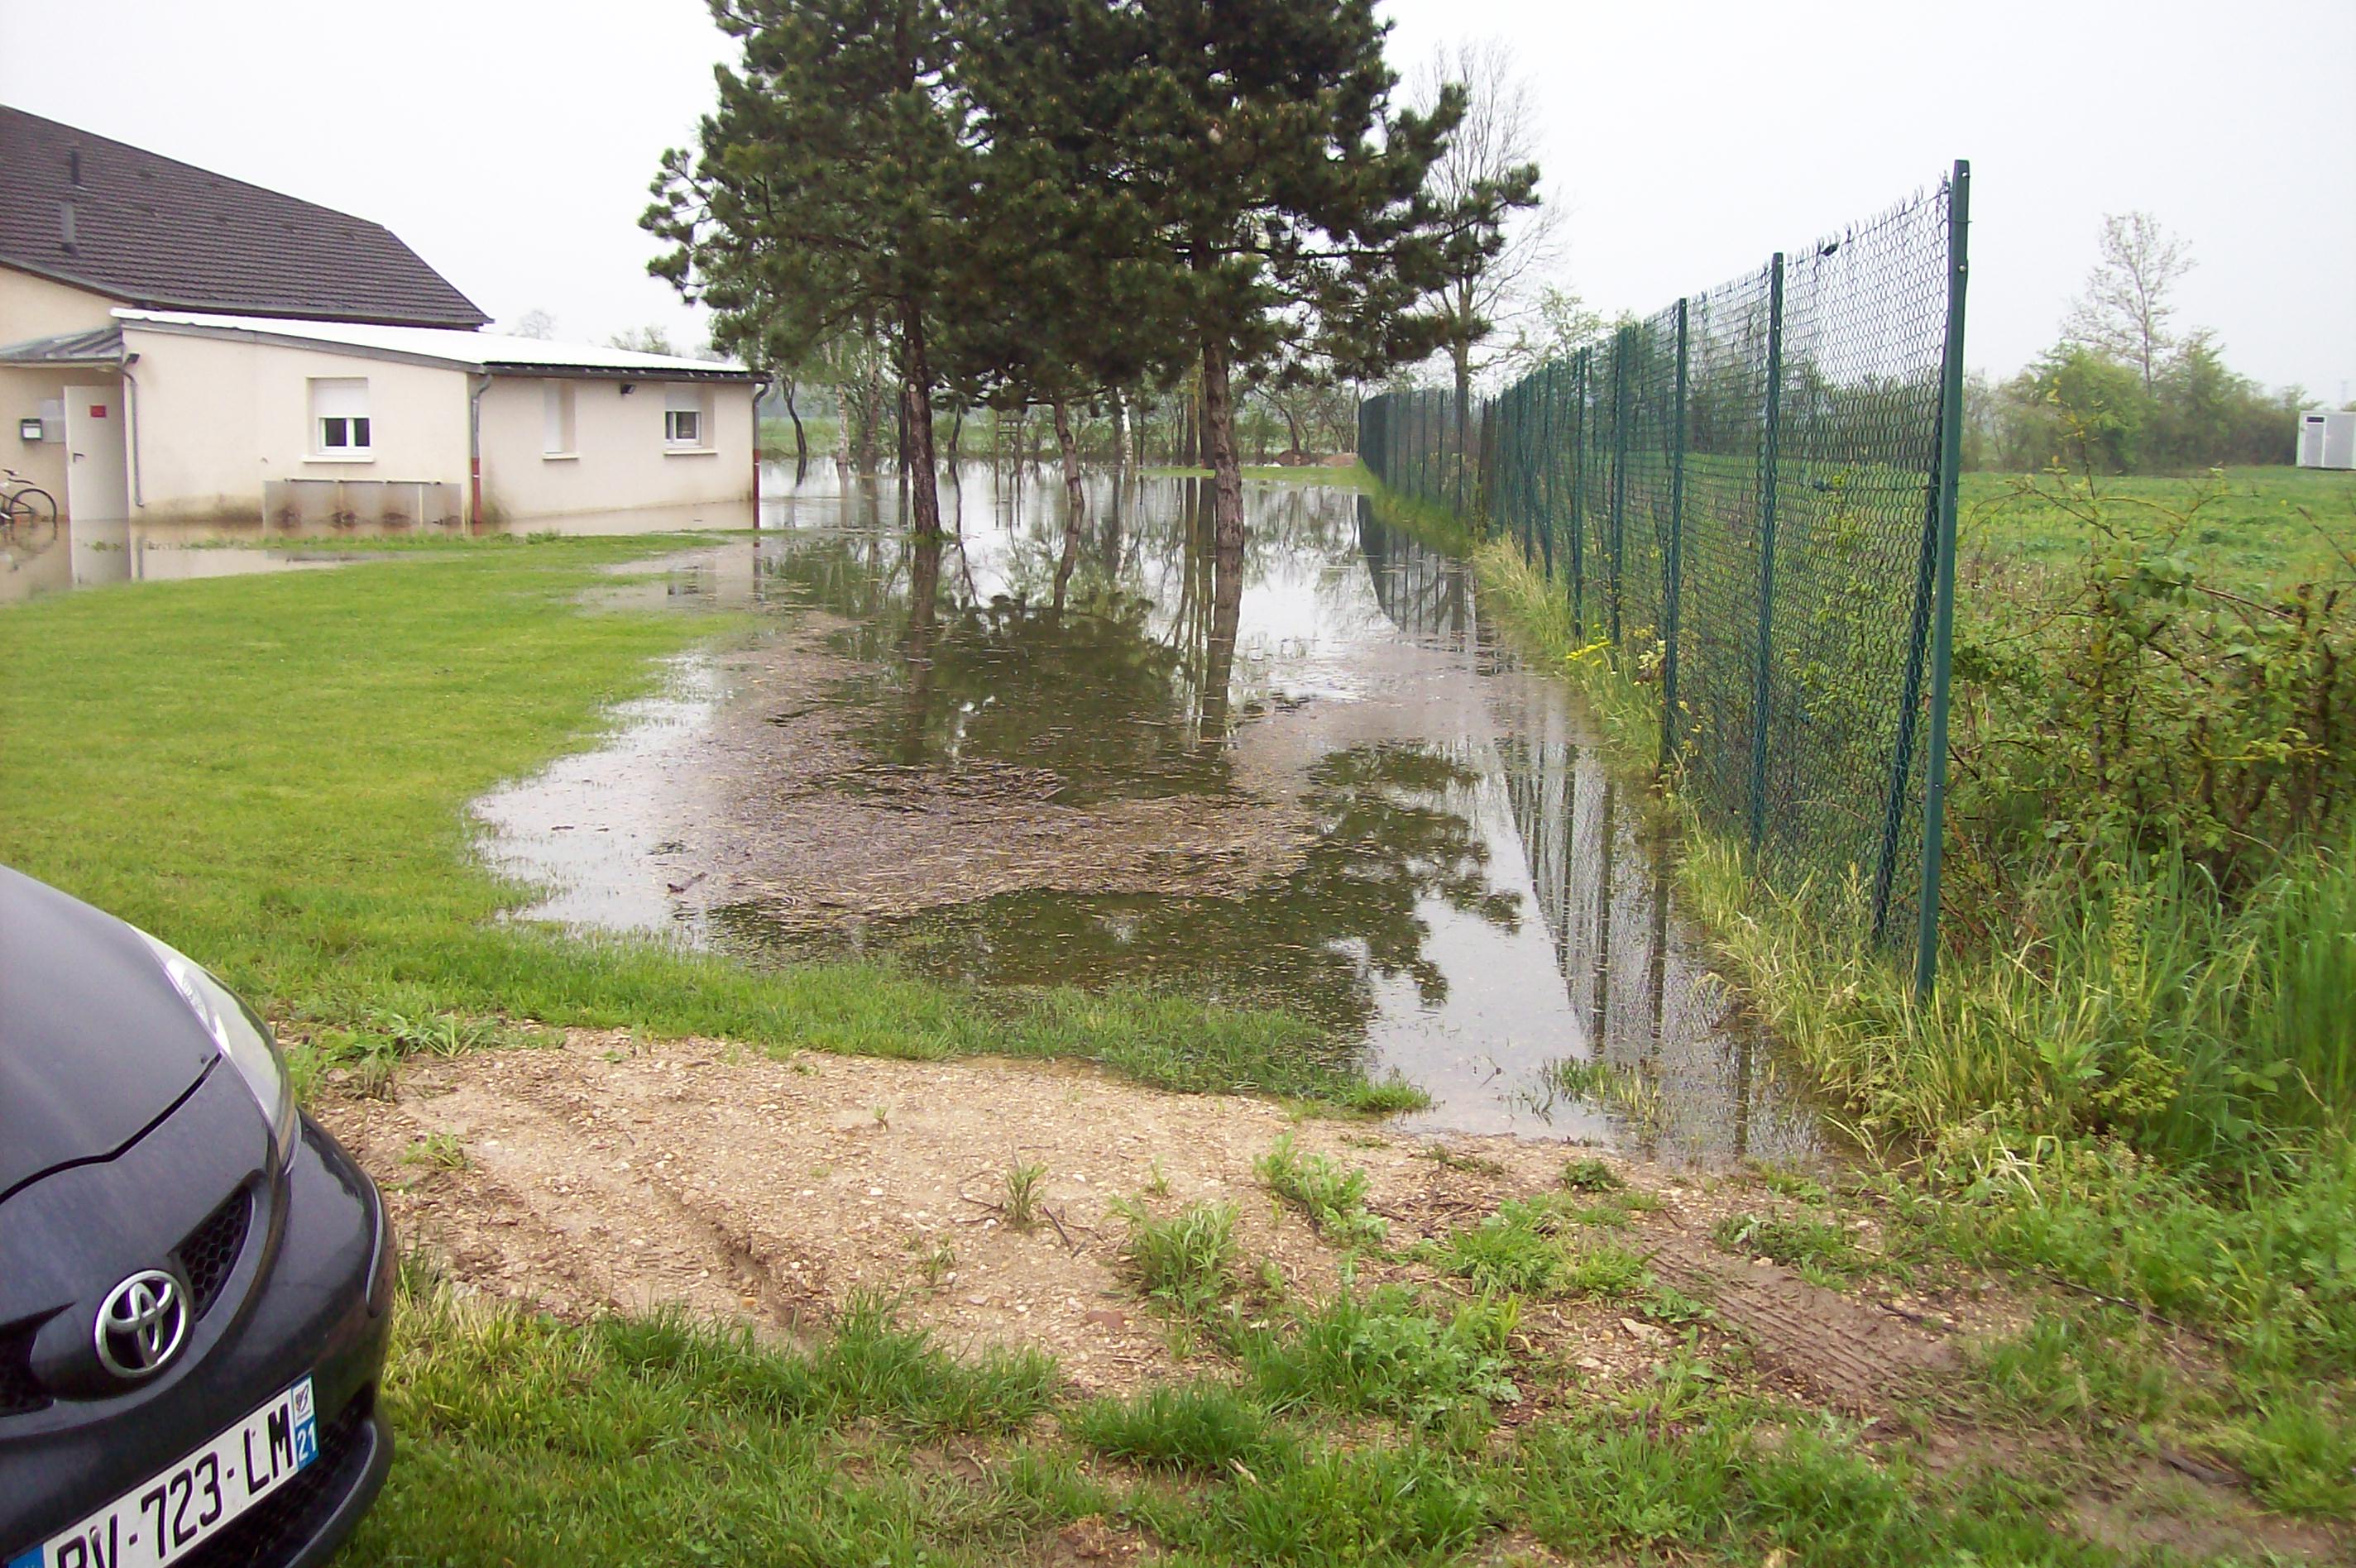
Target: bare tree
643,340
1489,294
2128,304
534,323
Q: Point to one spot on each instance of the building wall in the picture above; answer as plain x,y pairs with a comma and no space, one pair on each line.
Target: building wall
23,390
217,419
36,307
620,461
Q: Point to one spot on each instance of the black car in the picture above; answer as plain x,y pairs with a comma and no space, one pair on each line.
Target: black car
195,1280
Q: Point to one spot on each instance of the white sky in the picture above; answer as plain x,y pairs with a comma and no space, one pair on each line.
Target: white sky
510,142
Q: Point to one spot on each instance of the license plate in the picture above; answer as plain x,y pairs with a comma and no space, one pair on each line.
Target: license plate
187,1503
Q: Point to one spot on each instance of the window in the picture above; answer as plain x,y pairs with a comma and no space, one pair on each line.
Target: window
686,418
556,401
339,416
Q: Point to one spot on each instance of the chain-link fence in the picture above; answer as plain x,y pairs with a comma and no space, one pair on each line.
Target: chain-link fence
1750,496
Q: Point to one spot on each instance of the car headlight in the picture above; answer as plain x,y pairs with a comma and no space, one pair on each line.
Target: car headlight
241,1038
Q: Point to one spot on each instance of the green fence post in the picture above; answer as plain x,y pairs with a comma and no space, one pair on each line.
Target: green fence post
1769,459
1578,504
1542,473
1942,626
1675,587
1620,346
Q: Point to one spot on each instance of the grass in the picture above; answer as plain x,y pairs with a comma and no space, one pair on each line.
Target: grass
1820,1248
529,1441
271,772
1332,1196
1527,1248
2255,526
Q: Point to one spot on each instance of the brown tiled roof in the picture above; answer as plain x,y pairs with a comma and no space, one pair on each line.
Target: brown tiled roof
168,236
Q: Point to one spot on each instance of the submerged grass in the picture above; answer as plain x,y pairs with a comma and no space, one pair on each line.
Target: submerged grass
271,772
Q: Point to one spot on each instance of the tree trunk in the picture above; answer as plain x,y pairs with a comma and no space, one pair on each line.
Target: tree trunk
1219,432
801,440
1226,565
1076,497
916,422
1119,433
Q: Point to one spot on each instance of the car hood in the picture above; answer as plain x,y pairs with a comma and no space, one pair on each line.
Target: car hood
95,1042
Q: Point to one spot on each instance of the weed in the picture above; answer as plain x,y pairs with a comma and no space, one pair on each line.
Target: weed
1817,1247
1332,1195
1588,1174
442,1151
1022,1179
1187,1261
1521,1248
1385,1353
1448,1159
1157,1181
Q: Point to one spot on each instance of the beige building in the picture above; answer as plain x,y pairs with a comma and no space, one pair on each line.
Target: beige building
179,347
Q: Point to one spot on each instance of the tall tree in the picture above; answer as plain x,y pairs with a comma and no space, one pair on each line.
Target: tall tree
827,188
1253,197
2129,298
1491,155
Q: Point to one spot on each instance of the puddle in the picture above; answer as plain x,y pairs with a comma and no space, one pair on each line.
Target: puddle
1316,779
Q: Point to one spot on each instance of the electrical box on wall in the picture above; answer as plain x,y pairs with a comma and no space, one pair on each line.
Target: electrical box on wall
53,420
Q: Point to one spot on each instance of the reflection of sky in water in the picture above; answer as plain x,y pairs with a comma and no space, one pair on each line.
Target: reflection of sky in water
1480,904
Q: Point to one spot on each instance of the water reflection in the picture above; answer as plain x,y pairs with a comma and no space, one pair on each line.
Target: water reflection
1466,896
36,560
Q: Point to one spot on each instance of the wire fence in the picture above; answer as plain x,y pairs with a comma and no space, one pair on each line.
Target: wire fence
1751,496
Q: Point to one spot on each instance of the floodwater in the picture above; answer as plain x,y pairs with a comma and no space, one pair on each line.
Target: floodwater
36,560
1315,778
42,559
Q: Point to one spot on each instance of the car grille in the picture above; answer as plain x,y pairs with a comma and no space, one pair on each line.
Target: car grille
206,1255
19,1393
210,1252
283,1522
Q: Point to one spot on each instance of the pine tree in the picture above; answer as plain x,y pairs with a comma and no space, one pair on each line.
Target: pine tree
1240,190
827,191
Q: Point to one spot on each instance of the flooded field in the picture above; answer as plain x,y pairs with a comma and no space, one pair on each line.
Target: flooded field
1312,778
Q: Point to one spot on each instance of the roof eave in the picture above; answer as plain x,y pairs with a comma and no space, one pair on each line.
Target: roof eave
217,308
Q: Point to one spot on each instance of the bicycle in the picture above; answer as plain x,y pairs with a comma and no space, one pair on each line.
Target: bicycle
29,514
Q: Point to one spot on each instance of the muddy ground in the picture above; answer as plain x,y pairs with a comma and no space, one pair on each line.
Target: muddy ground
759,785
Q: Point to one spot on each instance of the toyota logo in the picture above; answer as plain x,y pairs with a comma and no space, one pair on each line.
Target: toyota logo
142,1324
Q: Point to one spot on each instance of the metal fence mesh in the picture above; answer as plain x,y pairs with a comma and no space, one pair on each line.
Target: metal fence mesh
1748,496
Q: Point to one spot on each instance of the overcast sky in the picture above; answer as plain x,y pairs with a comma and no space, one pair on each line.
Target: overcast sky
510,142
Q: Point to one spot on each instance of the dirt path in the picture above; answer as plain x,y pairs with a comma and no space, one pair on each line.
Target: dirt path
604,1175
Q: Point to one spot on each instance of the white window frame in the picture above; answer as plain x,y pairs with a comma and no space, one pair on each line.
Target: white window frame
560,418
692,399
338,408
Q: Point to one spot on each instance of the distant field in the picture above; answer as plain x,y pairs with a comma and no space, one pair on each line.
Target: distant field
2257,525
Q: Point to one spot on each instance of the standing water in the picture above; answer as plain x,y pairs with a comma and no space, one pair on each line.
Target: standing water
1314,779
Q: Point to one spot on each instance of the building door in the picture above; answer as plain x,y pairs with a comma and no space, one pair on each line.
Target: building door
98,475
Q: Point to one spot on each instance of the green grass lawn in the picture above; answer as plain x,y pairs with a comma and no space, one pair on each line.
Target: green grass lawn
271,772
2261,527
